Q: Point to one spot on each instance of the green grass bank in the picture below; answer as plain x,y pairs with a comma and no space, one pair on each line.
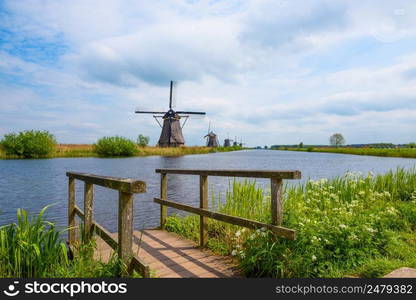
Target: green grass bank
85,150
354,225
386,152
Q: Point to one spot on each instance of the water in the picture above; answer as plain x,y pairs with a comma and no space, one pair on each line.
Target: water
33,184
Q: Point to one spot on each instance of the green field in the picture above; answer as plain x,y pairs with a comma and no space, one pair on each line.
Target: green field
386,152
354,225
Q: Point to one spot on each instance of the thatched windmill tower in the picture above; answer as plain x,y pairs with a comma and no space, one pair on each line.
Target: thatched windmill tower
171,135
212,140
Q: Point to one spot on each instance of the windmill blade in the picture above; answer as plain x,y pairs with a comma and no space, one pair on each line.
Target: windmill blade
193,116
149,112
173,100
191,112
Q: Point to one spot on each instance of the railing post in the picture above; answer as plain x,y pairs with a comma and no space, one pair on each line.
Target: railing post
276,201
203,203
125,225
163,195
71,211
88,208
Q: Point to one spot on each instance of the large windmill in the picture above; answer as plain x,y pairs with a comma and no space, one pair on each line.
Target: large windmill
171,135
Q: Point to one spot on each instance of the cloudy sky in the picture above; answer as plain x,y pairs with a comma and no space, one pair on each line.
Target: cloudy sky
271,72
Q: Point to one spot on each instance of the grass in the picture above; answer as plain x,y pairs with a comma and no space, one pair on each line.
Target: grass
355,225
85,150
33,248
385,152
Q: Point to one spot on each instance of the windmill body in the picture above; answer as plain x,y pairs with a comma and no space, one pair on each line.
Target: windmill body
212,140
227,143
171,135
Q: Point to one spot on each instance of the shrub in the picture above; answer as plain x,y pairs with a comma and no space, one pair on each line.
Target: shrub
115,146
29,144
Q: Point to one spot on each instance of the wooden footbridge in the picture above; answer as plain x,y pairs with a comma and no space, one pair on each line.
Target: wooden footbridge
156,252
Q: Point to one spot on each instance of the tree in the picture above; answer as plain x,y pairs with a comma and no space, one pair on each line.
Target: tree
301,145
142,140
337,140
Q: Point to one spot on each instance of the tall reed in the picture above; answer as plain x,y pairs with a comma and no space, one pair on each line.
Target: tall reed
31,247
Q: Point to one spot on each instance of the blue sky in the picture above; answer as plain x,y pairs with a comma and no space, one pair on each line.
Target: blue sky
271,72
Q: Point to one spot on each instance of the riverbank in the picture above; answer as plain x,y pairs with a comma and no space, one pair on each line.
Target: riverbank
385,152
353,225
87,150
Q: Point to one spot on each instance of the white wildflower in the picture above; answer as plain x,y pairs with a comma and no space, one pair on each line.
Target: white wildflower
369,229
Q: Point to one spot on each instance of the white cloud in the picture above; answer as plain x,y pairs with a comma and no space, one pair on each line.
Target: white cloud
242,62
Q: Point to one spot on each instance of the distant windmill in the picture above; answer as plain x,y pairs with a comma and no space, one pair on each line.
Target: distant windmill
227,141
171,135
235,143
212,140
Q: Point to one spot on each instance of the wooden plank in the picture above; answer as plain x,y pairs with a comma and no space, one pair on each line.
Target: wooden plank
125,225
140,266
163,195
278,230
88,203
79,212
281,174
105,235
126,185
71,211
203,203
276,204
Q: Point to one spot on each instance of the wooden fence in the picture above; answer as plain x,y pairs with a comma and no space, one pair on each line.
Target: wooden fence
126,188
276,205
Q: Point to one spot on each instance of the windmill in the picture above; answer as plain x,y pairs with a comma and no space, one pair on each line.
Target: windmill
212,140
171,135
227,141
235,143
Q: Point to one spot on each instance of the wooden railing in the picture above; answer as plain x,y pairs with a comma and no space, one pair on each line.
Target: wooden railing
126,188
276,205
